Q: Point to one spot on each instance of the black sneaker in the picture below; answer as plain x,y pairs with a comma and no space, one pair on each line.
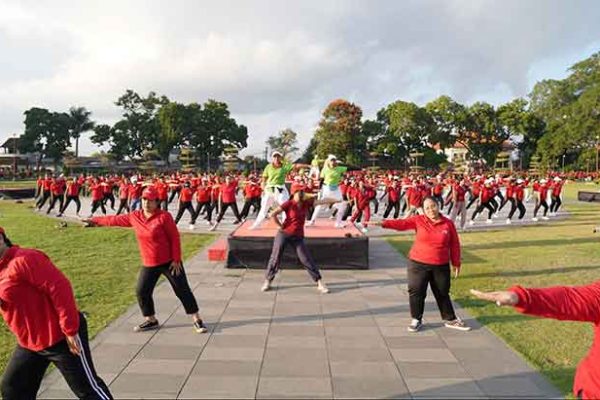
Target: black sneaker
199,327
146,326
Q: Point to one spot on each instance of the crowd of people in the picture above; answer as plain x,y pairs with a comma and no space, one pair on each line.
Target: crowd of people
363,194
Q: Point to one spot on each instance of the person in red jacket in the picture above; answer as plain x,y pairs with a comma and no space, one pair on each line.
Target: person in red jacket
124,188
227,200
71,194
541,194
393,193
38,305
203,204
566,303
436,246
486,196
97,197
160,250
57,192
185,203
362,198
556,202
45,192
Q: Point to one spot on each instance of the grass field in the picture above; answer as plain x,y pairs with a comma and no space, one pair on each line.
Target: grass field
556,253
102,264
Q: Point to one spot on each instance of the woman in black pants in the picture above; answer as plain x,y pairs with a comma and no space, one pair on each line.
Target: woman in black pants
160,249
436,246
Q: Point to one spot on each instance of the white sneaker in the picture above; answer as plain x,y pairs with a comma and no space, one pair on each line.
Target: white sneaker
457,324
331,217
545,218
341,225
534,219
495,215
415,326
508,221
471,222
489,221
309,223
322,288
213,227
364,230
192,227
208,223
266,286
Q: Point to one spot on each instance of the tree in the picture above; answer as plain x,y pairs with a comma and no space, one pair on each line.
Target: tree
285,142
46,133
80,123
483,136
339,132
172,118
449,118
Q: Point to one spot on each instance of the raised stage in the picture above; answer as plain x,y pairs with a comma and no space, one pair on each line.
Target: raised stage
331,248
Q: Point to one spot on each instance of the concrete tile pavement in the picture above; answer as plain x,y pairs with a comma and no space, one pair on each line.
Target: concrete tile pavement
294,342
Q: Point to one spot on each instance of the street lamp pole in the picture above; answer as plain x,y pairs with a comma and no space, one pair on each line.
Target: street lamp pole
597,138
14,156
563,163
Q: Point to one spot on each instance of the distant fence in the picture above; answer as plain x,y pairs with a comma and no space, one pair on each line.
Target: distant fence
590,197
16,194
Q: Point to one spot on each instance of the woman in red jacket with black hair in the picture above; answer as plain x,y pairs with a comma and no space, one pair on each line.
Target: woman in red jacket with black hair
436,246
567,303
38,305
160,249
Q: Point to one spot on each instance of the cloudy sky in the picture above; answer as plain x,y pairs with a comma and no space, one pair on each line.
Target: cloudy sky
278,63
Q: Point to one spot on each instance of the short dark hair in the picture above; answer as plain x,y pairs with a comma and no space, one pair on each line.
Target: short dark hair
6,240
430,198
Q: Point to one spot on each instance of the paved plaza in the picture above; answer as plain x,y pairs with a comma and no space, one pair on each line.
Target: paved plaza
293,342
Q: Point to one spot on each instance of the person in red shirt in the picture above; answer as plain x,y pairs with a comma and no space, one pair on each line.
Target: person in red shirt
475,192
185,203
97,191
135,194
437,191
71,194
565,303
108,187
556,202
518,195
227,200
162,188
124,188
160,250
436,246
203,204
362,198
252,192
291,232
46,191
541,200
414,199
486,195
459,192
392,191
57,193
38,305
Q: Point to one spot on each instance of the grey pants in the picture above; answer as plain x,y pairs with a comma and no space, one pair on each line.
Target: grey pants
281,240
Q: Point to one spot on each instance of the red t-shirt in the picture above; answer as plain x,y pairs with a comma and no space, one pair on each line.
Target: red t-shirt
295,217
72,189
97,192
414,196
228,192
185,195
123,191
460,192
393,194
203,194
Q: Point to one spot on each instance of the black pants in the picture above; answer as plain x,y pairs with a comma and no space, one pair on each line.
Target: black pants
516,204
147,282
173,193
494,204
207,206
69,200
60,200
472,200
281,240
224,207
252,201
537,208
42,200
26,369
438,277
555,204
482,207
375,205
186,205
123,206
109,197
392,205
506,200
98,204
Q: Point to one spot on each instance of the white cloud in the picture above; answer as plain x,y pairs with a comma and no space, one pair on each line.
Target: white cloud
278,63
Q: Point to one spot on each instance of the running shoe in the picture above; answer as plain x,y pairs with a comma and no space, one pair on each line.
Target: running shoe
146,326
364,230
471,222
199,327
309,223
508,221
322,288
415,325
489,221
545,218
192,227
534,219
457,324
340,225
213,227
266,286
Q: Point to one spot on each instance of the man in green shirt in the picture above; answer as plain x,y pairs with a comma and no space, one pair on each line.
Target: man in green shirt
332,175
273,185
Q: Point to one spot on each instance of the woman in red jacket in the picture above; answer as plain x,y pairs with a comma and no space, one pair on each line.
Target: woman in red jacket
160,249
38,305
578,303
436,246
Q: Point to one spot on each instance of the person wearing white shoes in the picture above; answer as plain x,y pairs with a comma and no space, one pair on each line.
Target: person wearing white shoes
486,195
436,247
291,232
555,194
332,175
541,195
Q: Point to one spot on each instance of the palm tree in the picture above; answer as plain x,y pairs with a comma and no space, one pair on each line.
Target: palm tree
80,123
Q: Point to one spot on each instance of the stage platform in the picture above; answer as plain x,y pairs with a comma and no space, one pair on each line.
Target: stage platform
331,248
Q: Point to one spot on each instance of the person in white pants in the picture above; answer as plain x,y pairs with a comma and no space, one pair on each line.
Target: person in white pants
332,175
273,184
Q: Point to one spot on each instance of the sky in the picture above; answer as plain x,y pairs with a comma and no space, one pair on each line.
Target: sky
279,63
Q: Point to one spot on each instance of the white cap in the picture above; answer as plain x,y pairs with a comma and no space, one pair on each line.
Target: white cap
134,178
543,181
556,179
331,157
276,153
519,180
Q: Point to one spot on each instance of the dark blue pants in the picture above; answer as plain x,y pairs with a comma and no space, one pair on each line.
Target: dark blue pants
281,240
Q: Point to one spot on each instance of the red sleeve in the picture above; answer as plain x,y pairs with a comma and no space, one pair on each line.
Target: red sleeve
173,235
45,277
571,303
113,220
454,245
286,206
400,224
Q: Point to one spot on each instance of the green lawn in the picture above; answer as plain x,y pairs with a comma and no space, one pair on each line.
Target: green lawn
556,253
8,184
102,264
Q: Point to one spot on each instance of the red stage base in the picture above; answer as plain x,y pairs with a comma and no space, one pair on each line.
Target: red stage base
331,248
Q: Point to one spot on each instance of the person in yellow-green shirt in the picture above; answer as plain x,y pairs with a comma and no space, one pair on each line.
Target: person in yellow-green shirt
315,172
332,174
273,185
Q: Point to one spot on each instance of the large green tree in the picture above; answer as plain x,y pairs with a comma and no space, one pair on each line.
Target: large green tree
339,132
285,142
483,135
449,118
80,123
46,133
